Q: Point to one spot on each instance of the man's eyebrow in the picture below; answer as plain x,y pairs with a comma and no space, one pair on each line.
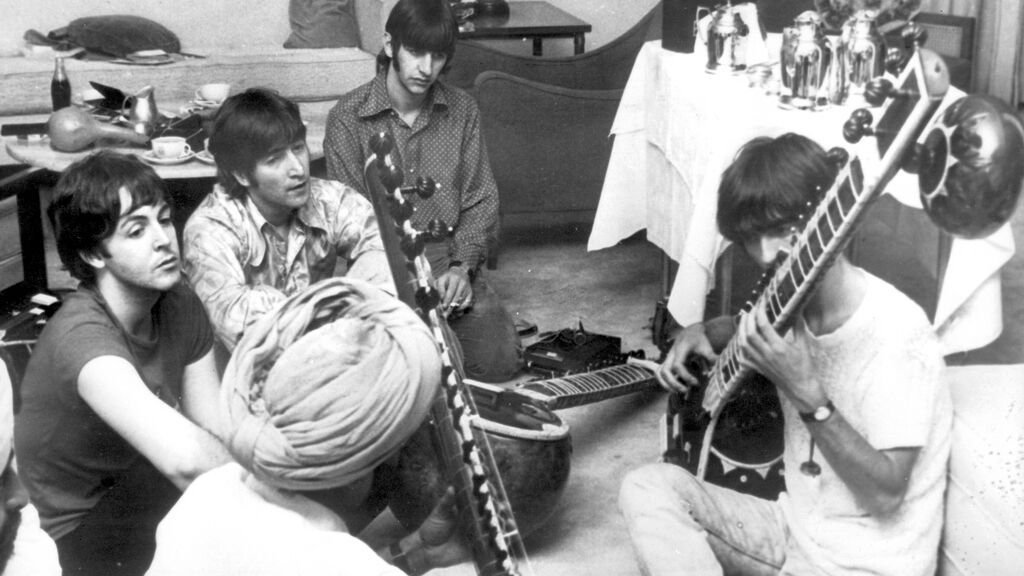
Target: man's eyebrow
134,215
129,218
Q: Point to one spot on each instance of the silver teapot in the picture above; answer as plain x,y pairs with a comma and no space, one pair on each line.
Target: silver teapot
725,34
861,54
807,60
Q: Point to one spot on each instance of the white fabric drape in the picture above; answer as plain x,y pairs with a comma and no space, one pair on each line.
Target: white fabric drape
999,43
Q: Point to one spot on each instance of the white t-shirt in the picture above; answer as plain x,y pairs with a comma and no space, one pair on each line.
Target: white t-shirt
229,523
883,371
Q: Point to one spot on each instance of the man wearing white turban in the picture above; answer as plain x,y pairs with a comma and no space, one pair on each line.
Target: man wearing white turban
24,548
318,394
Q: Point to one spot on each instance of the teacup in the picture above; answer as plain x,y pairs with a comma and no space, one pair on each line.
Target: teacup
170,147
214,93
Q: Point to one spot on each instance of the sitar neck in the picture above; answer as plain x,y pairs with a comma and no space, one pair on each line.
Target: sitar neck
469,463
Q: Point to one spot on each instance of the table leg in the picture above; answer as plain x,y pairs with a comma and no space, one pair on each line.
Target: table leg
578,44
538,46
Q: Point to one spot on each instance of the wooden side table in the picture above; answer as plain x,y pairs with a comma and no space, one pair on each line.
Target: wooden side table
535,20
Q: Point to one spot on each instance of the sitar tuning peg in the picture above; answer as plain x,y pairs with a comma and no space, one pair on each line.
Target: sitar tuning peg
436,231
424,187
381,144
400,211
411,245
838,157
392,177
896,59
914,35
427,298
877,90
858,126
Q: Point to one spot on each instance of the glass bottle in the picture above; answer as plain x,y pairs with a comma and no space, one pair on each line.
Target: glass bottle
60,87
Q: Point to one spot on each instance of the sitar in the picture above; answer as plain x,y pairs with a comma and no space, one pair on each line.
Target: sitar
905,110
484,510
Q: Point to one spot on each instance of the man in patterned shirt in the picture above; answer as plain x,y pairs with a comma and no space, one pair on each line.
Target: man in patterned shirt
436,128
268,229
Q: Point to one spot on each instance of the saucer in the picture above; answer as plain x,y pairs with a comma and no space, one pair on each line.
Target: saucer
206,103
205,157
153,159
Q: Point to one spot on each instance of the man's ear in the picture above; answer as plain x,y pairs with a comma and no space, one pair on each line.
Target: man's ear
388,49
241,178
92,258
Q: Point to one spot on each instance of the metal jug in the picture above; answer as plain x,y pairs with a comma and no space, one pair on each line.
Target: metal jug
811,59
725,33
862,53
141,110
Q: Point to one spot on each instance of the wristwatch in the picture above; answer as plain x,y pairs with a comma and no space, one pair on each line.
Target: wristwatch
819,414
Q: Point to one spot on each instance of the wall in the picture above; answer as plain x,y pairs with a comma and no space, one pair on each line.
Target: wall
199,25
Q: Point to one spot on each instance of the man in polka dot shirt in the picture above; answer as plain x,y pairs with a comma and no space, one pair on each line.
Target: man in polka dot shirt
436,128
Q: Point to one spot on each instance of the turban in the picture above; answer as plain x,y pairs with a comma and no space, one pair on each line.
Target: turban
328,385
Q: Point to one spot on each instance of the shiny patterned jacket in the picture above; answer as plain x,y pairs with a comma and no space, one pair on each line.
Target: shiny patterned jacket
241,267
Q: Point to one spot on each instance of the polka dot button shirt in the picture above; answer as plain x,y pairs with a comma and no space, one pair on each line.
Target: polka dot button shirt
444,143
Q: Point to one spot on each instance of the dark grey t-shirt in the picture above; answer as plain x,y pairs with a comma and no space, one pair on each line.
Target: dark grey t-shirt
67,456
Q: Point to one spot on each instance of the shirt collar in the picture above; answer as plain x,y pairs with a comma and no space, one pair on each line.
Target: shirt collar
306,214
377,100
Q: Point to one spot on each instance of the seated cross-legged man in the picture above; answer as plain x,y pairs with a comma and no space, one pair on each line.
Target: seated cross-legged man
868,419
317,400
119,396
268,229
436,129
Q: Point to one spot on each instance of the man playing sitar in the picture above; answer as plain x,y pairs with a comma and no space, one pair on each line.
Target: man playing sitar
867,421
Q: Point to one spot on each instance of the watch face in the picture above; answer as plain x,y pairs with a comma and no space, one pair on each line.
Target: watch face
822,412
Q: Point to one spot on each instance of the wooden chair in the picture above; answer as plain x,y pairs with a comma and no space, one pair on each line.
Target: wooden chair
604,68
953,38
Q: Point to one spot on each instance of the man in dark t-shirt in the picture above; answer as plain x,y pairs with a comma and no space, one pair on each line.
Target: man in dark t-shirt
120,395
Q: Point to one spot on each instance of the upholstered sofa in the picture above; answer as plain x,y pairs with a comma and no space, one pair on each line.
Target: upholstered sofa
546,122
242,43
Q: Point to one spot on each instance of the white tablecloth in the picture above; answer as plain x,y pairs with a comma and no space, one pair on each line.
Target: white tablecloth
678,128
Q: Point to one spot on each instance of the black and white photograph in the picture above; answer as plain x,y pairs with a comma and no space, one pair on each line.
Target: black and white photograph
512,287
